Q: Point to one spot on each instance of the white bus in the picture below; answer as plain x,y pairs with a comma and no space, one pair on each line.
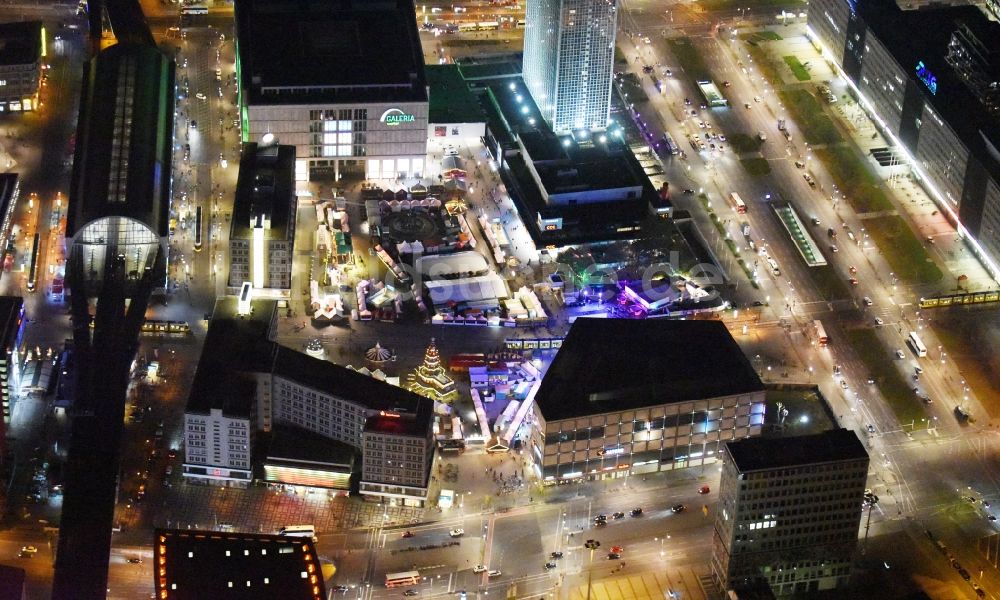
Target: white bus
737,203
194,10
821,338
400,579
308,531
916,345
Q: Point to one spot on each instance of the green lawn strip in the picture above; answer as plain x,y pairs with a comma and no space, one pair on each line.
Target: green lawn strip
463,43
620,56
757,167
882,367
856,181
797,69
807,112
760,36
717,222
741,142
830,285
763,62
690,58
902,250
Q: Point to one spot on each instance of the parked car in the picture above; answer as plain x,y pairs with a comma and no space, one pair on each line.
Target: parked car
494,573
456,532
478,569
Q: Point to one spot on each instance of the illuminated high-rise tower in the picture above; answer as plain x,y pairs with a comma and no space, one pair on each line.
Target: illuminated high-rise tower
569,53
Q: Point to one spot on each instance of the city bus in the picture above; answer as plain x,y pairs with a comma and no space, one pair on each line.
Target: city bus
671,144
916,345
308,531
194,10
33,269
488,26
400,579
821,338
466,27
737,203
197,229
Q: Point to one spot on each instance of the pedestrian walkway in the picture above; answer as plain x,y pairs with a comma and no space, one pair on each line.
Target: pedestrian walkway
684,583
265,510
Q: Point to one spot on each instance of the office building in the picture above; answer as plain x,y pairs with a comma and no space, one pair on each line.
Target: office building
192,564
22,57
568,189
569,54
246,384
631,396
343,82
119,196
221,418
789,511
262,232
935,97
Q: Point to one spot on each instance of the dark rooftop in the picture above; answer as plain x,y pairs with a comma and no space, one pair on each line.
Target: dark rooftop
451,101
10,317
357,387
608,365
20,43
473,70
296,445
301,51
265,190
954,102
11,583
244,566
99,162
233,345
575,168
759,453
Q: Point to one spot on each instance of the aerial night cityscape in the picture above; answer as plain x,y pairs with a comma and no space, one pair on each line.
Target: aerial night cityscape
517,299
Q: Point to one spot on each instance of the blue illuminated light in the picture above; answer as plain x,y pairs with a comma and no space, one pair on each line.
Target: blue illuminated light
927,77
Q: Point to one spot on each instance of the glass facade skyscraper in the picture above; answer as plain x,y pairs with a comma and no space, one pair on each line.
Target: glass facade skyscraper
569,53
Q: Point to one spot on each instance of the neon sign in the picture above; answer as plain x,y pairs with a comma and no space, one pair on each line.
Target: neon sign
394,116
927,77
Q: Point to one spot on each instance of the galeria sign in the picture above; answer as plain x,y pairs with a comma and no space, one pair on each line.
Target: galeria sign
394,116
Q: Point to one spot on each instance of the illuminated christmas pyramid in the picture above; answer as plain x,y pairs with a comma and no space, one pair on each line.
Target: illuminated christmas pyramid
430,378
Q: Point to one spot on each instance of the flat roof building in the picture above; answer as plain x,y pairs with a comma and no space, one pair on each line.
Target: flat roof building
569,189
119,196
246,383
192,564
936,95
11,338
262,232
789,512
636,396
22,54
454,111
341,81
